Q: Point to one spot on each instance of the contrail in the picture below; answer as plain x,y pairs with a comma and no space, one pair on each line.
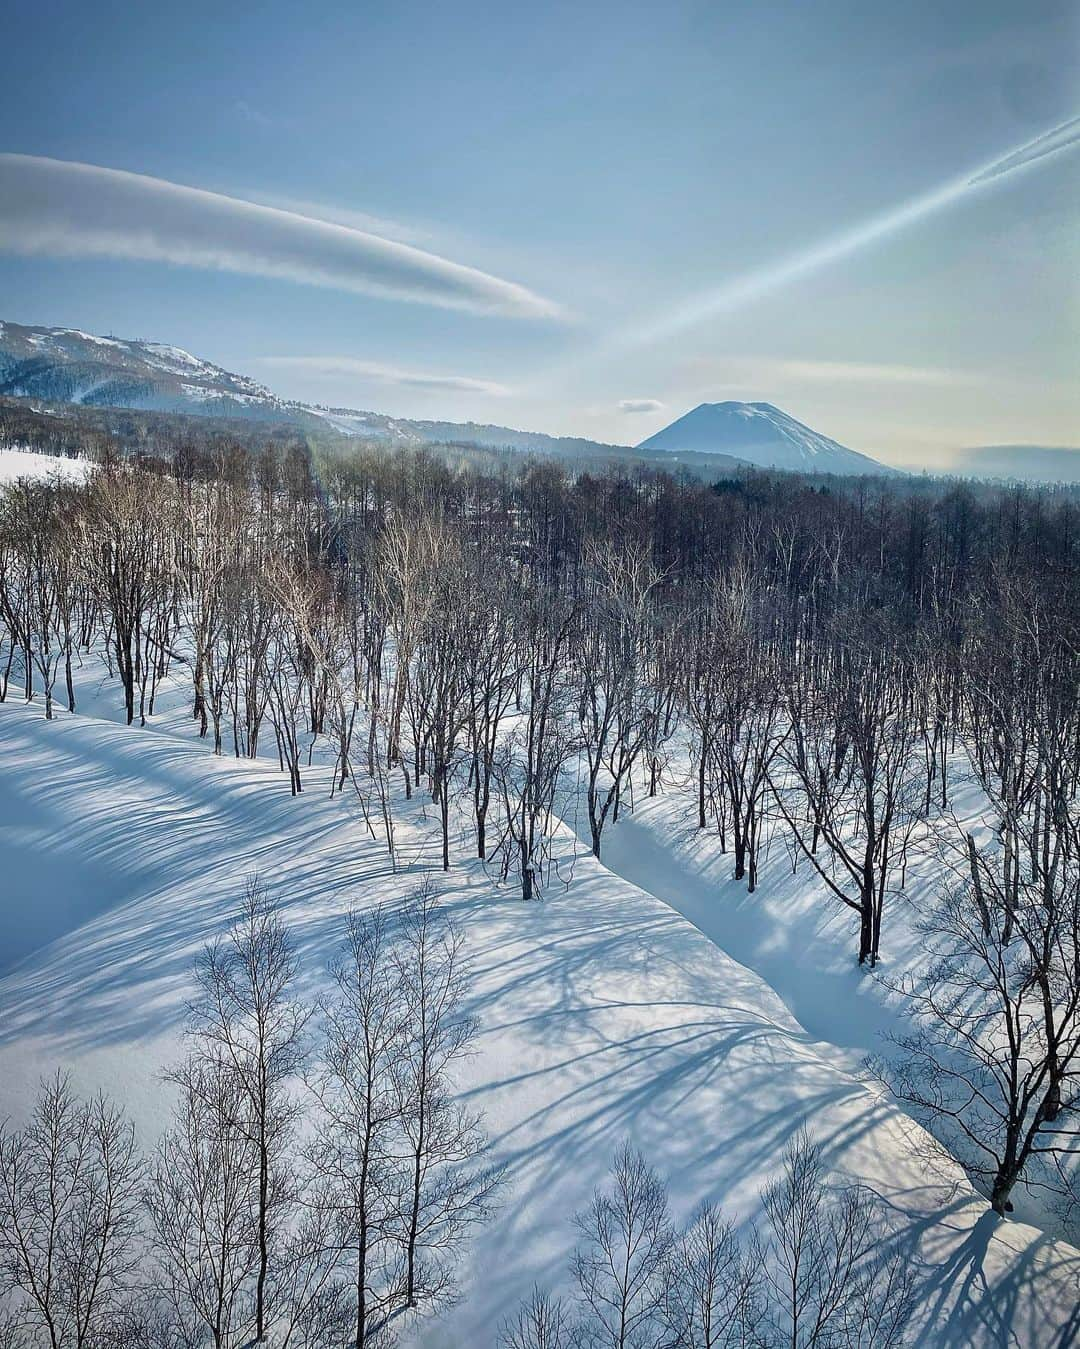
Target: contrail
763,281
1049,143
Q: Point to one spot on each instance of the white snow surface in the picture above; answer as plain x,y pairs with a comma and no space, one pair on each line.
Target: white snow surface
18,463
177,355
604,1013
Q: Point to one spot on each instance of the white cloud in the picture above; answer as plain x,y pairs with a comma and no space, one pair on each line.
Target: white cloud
343,215
63,209
333,367
640,405
860,372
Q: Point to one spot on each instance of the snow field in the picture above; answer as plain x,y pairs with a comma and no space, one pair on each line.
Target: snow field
604,1012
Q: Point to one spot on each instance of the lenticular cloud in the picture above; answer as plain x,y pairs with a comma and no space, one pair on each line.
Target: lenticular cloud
61,209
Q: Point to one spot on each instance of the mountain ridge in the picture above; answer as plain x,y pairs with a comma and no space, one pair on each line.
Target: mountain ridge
69,365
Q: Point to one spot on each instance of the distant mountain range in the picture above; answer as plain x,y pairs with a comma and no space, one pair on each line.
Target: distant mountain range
761,434
67,365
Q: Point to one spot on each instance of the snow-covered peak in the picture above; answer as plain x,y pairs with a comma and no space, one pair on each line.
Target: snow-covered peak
760,434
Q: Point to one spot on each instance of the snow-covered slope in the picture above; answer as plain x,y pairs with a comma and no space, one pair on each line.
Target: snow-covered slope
16,464
603,1012
70,366
759,434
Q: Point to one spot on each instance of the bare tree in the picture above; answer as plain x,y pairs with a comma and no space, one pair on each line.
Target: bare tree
202,1221
995,1059
703,671
610,657
493,674
823,1274
532,758
209,544
409,553
442,680
69,1203
129,567
249,1019
447,1191
747,740
831,1278
39,553
355,1151
18,597
713,1297
288,663
620,1265
852,778
542,1322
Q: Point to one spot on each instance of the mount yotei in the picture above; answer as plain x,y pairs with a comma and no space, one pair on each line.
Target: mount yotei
760,434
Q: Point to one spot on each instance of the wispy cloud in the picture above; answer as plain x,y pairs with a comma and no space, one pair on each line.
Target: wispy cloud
769,370
63,209
640,405
335,367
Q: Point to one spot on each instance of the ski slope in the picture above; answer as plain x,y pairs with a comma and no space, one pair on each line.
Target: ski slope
604,1012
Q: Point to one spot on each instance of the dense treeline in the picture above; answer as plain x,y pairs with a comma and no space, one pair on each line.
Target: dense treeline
829,661
73,429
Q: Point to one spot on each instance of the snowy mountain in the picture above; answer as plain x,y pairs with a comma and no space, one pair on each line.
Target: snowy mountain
760,434
67,365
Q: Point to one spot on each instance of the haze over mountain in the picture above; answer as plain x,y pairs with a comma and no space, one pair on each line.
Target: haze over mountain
68,365
760,434
72,366
1027,463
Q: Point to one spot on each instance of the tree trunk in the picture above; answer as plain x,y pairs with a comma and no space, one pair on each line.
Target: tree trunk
740,853
1003,1186
260,1290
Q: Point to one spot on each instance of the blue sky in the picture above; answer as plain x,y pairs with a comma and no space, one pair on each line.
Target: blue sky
586,218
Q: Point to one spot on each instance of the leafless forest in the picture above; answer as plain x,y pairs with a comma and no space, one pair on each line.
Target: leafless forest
826,662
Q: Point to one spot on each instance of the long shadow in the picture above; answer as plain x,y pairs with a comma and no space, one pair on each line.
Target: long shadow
603,1013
